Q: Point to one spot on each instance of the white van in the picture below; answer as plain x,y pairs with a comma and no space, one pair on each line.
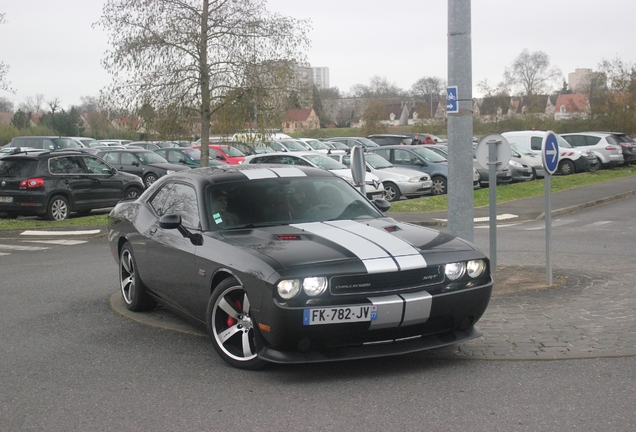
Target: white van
571,160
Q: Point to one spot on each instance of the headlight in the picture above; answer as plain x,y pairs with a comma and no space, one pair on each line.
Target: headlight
170,171
515,164
288,288
455,271
475,268
314,286
414,180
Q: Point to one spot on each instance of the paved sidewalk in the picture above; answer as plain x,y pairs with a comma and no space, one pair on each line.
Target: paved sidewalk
533,208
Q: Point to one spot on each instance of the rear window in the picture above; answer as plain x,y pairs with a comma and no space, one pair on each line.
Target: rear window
17,167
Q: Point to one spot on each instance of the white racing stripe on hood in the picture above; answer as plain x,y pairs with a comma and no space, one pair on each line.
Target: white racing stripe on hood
404,253
376,249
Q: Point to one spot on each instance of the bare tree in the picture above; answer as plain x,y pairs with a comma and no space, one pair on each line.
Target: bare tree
427,86
6,105
4,69
379,87
194,53
33,105
531,73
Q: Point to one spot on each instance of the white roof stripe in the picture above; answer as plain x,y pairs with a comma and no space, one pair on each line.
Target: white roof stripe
256,174
289,172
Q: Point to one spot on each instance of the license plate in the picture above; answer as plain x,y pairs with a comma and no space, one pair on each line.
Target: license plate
377,196
5,199
340,315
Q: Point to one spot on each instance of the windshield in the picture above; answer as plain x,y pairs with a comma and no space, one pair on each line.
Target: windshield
293,145
324,162
194,154
377,161
232,151
283,201
317,145
429,156
367,142
150,157
522,150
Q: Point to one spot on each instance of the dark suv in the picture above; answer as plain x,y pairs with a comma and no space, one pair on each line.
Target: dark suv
55,183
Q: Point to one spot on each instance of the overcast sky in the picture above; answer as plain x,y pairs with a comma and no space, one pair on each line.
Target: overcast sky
53,50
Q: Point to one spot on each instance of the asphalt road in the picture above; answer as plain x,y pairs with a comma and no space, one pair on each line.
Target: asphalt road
69,362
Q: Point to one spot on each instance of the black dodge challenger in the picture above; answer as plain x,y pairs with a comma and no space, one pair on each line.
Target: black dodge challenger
292,264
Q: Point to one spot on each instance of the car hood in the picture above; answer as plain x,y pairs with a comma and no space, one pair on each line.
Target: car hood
369,246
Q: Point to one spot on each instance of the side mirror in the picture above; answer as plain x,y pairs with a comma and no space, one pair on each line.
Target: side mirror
170,221
382,204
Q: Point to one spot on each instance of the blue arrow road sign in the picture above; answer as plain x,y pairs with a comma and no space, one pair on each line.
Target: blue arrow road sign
550,152
452,103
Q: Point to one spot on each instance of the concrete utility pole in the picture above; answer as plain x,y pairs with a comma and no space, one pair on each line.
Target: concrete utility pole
460,125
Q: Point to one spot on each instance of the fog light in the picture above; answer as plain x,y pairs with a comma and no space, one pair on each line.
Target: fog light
288,288
454,271
314,286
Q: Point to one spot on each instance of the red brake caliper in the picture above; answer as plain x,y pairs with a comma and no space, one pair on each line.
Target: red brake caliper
231,321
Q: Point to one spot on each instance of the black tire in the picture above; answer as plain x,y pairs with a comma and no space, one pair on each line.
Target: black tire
133,292
534,174
231,327
12,215
391,192
58,208
149,179
566,167
132,192
440,185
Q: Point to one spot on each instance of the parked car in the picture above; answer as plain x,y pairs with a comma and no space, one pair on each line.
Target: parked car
53,184
442,150
318,146
115,141
84,141
397,182
606,146
419,158
351,142
225,153
143,144
390,139
253,148
336,145
189,157
570,160
530,158
340,281
373,186
145,163
290,144
44,142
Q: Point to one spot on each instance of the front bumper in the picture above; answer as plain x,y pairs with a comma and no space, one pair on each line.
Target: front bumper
413,324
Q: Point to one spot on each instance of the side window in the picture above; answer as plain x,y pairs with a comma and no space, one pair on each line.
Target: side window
66,165
289,160
95,166
403,157
346,160
592,140
111,158
46,144
173,157
384,153
535,143
177,198
127,159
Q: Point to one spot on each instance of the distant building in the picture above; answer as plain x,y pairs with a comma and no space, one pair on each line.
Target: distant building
579,79
300,120
571,106
321,77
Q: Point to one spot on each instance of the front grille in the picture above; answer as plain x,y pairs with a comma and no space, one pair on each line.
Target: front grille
386,282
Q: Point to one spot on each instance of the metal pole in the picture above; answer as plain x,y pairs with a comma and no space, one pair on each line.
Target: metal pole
548,229
460,125
493,164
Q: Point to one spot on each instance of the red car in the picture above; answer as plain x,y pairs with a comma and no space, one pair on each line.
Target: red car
226,153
